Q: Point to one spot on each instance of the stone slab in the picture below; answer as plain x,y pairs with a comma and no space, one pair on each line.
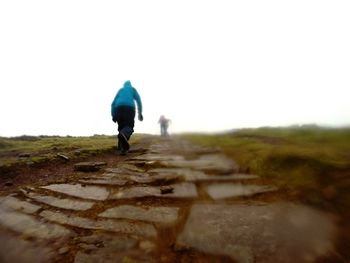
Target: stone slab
16,204
182,190
162,215
119,226
280,232
109,242
124,168
229,190
211,163
77,190
159,157
111,181
155,179
231,177
186,173
190,175
29,226
16,250
102,257
89,166
64,203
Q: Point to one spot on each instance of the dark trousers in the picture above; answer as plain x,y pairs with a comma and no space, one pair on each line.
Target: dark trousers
126,120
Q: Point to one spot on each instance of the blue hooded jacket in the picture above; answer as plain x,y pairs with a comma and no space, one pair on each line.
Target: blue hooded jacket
126,96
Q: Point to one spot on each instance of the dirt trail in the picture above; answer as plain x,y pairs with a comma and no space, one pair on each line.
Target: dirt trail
166,201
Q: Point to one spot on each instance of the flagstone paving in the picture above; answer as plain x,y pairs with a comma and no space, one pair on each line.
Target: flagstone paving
65,203
16,204
257,233
78,190
172,202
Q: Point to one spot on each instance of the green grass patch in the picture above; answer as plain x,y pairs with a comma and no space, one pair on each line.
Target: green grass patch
291,157
45,148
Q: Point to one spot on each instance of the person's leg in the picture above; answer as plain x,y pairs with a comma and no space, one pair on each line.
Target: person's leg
126,121
129,122
163,132
120,122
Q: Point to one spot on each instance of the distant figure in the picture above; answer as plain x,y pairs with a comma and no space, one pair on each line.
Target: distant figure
123,112
164,124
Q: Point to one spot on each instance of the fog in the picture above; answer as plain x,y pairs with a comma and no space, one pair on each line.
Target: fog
206,65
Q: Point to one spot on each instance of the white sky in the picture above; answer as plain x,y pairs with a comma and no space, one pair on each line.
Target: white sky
207,65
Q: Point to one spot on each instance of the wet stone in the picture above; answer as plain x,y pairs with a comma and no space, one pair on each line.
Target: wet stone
146,165
110,243
120,226
181,190
125,167
264,233
63,250
111,181
147,246
159,157
87,247
228,190
28,226
163,215
231,177
16,250
89,166
16,204
156,179
77,190
62,203
100,256
190,175
134,192
186,173
212,163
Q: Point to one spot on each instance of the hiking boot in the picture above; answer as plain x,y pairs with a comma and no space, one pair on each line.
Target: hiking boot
123,152
123,141
119,146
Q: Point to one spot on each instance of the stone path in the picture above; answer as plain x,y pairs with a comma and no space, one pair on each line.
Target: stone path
175,203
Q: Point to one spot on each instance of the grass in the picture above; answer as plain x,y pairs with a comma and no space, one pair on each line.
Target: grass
309,158
309,164
45,148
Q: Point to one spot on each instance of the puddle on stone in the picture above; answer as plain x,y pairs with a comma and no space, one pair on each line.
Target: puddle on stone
228,190
77,190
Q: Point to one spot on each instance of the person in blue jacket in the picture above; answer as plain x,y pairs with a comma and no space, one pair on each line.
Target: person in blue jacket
123,112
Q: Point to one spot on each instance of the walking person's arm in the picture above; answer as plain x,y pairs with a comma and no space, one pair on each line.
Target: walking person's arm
139,104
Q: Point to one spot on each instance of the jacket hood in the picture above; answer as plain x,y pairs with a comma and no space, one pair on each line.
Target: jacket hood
127,84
